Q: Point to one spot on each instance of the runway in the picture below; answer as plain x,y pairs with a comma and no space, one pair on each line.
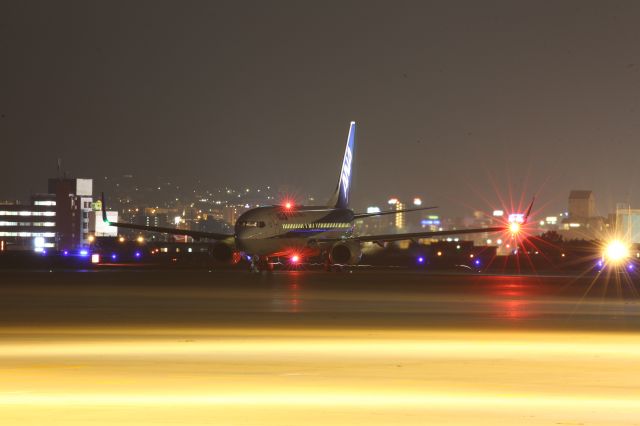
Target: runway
381,347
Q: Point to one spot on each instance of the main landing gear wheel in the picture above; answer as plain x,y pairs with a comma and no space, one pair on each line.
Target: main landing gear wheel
331,267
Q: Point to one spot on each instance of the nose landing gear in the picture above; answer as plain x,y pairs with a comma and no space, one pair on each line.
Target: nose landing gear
259,264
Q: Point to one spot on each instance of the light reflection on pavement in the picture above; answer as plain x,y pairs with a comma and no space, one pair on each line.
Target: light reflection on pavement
301,350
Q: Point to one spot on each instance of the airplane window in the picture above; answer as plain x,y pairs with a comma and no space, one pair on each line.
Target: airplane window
261,224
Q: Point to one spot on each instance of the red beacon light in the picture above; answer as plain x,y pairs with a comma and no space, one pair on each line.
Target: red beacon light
287,204
515,228
295,258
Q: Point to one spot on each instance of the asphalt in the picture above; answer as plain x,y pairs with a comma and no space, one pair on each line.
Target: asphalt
302,299
306,347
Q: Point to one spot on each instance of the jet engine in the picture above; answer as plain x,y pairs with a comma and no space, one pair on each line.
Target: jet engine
346,253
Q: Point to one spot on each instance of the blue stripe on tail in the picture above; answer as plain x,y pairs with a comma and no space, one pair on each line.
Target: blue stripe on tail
340,198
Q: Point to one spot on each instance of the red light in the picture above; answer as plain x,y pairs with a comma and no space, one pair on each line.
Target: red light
295,258
287,205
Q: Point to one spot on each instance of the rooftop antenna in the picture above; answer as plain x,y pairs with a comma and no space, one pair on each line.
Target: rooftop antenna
59,168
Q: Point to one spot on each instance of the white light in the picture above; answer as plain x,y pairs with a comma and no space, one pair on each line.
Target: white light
516,218
95,258
514,227
177,220
417,201
38,242
616,252
498,213
393,201
373,209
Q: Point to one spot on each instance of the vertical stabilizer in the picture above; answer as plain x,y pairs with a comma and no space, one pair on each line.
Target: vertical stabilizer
340,198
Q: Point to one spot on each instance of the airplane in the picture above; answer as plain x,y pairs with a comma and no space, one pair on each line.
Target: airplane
296,232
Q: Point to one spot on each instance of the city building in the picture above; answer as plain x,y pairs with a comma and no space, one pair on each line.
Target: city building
28,227
582,206
581,221
57,220
73,198
627,223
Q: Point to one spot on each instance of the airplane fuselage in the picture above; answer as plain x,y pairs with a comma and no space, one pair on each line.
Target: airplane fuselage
279,231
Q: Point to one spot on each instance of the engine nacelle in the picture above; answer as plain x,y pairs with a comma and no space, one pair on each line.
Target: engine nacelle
348,253
222,252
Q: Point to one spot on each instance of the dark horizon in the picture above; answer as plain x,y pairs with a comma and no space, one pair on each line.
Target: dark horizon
456,102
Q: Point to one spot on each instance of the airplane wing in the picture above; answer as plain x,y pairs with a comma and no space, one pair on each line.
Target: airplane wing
164,230
362,215
434,234
427,234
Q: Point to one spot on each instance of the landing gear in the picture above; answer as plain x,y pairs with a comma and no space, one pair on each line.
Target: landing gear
259,264
253,267
330,266
327,264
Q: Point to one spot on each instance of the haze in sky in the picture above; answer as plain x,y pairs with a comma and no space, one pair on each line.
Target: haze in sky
458,102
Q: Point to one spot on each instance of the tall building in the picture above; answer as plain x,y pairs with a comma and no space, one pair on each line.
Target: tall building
582,205
73,198
581,221
628,223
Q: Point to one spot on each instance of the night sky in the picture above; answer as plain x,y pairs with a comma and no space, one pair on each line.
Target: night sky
456,102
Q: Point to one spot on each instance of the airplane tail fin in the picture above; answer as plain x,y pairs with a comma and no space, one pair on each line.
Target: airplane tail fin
340,198
526,215
103,208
